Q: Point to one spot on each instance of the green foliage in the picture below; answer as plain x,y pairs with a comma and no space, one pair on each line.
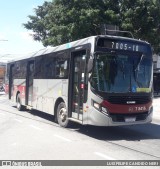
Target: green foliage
142,17
61,21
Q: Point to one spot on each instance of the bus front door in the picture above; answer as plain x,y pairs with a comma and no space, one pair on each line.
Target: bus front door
29,83
11,81
78,88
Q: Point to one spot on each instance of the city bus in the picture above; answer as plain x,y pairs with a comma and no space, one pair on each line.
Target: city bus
100,80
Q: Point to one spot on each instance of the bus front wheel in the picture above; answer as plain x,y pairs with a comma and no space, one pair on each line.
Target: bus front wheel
62,115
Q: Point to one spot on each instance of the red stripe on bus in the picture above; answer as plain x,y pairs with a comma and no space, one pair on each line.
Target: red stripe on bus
117,108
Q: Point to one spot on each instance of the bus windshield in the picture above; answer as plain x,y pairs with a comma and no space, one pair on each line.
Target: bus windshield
122,73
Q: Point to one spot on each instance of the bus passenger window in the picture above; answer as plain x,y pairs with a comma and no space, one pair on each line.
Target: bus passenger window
49,67
39,67
61,69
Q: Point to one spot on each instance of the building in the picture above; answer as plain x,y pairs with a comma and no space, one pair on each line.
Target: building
156,61
156,75
2,72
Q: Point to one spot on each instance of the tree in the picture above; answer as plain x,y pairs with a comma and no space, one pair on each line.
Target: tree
61,21
142,18
38,22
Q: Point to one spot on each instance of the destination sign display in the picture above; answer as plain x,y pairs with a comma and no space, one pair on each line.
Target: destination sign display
119,44
123,46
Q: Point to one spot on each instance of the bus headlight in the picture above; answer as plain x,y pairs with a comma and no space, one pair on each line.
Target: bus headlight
96,105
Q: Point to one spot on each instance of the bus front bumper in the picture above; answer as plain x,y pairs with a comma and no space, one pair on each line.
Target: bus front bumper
98,118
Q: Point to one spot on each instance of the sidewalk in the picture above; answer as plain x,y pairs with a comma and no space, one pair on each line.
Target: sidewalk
156,108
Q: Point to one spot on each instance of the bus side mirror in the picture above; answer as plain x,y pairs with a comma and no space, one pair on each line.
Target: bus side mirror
90,65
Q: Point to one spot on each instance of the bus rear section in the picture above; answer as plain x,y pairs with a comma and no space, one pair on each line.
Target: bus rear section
121,83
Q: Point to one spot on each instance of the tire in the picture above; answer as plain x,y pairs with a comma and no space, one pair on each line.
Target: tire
62,115
19,103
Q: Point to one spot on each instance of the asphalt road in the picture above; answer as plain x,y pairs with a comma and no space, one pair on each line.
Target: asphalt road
31,135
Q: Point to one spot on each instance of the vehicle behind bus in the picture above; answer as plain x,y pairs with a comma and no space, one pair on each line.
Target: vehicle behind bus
100,80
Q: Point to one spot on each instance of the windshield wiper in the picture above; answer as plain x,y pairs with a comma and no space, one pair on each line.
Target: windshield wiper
137,67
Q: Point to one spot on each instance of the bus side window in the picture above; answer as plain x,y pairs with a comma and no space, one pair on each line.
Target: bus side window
49,67
39,68
94,79
19,70
62,69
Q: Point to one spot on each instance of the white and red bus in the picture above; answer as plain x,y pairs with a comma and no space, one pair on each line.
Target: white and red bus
100,80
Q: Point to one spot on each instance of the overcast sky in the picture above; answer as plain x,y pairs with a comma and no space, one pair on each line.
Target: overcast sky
13,13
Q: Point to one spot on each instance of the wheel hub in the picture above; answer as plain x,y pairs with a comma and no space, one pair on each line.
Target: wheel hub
63,114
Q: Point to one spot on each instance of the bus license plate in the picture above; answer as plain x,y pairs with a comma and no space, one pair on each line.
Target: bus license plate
130,119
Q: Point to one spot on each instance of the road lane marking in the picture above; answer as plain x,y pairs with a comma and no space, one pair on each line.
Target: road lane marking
13,144
104,156
35,127
3,114
108,158
63,138
20,121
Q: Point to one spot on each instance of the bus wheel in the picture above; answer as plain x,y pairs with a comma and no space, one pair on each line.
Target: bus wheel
62,115
19,104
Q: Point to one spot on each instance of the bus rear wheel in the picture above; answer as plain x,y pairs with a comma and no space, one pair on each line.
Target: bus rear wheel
62,115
